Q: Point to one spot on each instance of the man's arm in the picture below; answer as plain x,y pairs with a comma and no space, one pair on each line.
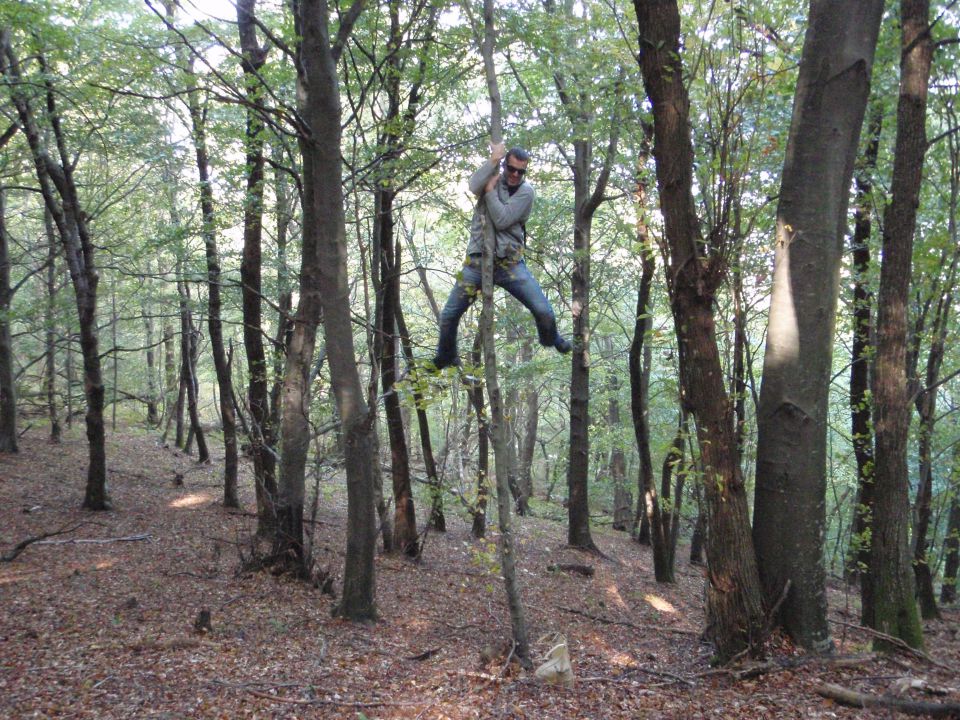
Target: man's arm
478,181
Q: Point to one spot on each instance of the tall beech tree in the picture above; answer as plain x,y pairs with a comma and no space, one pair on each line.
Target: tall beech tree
579,99
789,514
262,423
397,127
934,290
888,603
324,288
55,169
694,272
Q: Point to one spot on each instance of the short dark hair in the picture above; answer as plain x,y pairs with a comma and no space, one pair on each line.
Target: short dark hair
519,153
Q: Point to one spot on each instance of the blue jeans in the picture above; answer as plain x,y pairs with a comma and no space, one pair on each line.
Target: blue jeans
516,279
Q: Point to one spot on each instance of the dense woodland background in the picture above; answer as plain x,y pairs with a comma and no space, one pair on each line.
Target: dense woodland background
238,222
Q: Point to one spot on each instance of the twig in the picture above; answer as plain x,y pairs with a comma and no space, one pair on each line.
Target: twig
315,701
852,698
21,546
585,570
96,541
107,678
756,669
426,655
897,642
662,673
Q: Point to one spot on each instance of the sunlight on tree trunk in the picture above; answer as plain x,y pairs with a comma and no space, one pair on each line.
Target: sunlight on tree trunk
790,506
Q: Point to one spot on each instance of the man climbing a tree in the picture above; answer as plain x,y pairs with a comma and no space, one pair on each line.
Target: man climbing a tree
507,199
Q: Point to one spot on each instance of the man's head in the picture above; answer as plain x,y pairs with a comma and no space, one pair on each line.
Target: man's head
515,165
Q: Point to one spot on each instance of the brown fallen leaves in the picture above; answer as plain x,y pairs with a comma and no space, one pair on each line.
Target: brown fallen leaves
112,629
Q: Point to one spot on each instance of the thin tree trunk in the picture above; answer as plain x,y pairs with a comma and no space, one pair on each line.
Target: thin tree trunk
622,497
699,537
926,404
146,315
890,605
8,389
585,202
69,371
475,392
739,387
437,519
639,382
578,509
50,335
393,139
498,425
531,418
188,383
169,375
735,617
325,267
116,360
926,399
387,286
861,429
181,404
228,417
512,416
951,543
60,195
404,513
668,523
263,429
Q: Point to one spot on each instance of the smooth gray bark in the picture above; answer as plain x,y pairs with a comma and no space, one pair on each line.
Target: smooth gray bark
789,515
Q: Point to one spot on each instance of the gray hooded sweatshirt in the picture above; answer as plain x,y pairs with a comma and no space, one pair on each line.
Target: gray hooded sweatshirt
508,212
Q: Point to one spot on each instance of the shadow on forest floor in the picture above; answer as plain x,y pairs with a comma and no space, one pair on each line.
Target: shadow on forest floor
100,622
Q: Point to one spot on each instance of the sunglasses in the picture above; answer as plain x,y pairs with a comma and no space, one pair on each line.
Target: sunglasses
518,171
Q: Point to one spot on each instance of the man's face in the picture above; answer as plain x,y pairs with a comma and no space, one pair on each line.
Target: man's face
514,170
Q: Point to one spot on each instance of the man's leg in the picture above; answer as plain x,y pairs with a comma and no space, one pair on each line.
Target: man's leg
517,280
464,292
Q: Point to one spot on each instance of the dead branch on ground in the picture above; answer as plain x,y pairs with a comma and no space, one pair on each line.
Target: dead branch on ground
897,642
585,570
608,621
852,698
24,544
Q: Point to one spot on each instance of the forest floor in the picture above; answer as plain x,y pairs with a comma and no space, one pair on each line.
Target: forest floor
98,622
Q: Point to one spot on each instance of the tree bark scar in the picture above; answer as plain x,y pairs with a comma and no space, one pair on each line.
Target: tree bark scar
794,412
